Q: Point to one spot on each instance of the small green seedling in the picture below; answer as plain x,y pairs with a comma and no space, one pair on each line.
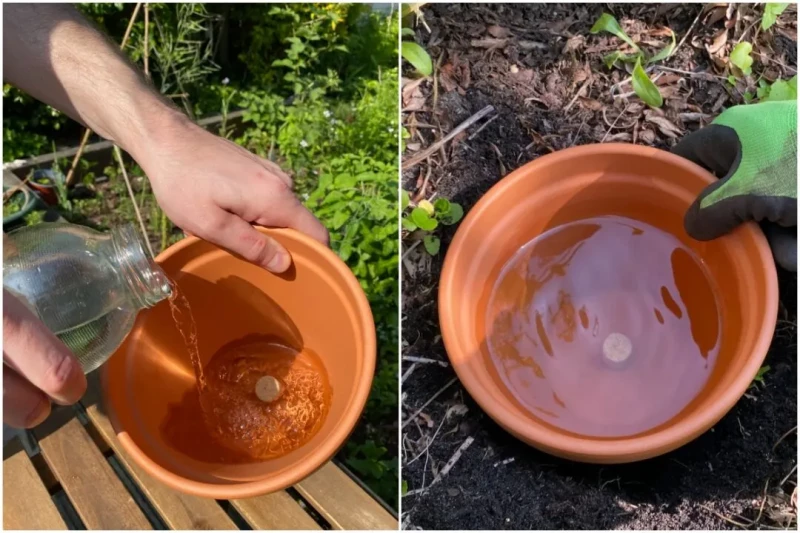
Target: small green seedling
759,379
427,216
740,57
778,90
771,13
642,84
411,51
417,56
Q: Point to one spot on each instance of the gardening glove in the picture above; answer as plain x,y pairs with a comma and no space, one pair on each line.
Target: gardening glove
754,149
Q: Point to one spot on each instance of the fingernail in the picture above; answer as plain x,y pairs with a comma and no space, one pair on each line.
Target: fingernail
38,414
279,263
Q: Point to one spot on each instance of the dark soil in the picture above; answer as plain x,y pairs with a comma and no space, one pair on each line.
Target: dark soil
530,78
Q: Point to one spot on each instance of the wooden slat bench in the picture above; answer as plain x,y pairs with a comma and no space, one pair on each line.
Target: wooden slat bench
81,478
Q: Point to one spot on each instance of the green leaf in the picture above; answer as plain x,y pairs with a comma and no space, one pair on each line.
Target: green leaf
771,12
455,214
404,488
407,32
781,90
610,59
417,56
645,88
609,24
432,244
748,97
404,200
408,224
732,80
427,206
423,220
665,52
740,56
441,206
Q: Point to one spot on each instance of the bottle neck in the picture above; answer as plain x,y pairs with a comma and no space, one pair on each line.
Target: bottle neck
146,281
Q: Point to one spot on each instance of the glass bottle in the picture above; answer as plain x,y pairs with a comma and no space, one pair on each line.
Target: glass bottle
85,286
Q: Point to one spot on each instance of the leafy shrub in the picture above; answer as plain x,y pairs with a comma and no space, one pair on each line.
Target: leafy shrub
356,199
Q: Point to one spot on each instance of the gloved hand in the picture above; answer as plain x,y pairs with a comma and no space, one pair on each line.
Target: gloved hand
754,149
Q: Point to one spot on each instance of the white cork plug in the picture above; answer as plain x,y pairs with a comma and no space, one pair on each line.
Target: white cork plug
268,389
617,348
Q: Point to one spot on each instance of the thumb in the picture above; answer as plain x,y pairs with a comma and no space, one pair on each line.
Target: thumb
242,239
783,242
704,223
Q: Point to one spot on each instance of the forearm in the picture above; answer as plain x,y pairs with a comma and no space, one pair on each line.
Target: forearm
54,54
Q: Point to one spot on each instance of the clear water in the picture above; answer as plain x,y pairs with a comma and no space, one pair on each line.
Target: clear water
562,295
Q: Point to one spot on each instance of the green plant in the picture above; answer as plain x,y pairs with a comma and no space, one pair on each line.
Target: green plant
417,56
371,461
425,217
34,217
771,13
759,379
778,90
643,86
14,204
740,57
356,199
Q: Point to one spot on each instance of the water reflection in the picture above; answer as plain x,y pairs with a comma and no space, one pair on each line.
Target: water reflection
564,293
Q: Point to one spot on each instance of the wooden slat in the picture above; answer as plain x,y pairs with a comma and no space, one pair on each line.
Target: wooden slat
26,502
274,511
342,502
179,511
95,491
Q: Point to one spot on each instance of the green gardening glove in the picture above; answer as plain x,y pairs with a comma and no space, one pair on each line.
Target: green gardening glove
754,150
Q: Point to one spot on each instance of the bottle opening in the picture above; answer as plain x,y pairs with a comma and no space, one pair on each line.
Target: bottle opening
146,279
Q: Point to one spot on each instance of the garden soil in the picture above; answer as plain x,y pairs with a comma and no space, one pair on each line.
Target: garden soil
542,71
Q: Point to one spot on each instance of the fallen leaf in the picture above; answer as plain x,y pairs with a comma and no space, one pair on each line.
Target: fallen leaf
457,410
668,79
693,117
413,147
498,32
716,14
717,42
647,136
525,75
426,419
591,104
447,78
573,43
664,125
413,99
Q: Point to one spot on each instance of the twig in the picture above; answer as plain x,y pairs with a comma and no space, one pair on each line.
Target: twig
763,502
411,249
688,32
19,186
418,411
88,132
421,194
788,68
429,442
612,125
146,41
577,95
705,75
423,155
453,460
725,518
133,198
409,371
411,358
783,437
482,127
785,479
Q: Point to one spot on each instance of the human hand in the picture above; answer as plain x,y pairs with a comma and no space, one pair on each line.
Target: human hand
754,150
215,189
38,367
